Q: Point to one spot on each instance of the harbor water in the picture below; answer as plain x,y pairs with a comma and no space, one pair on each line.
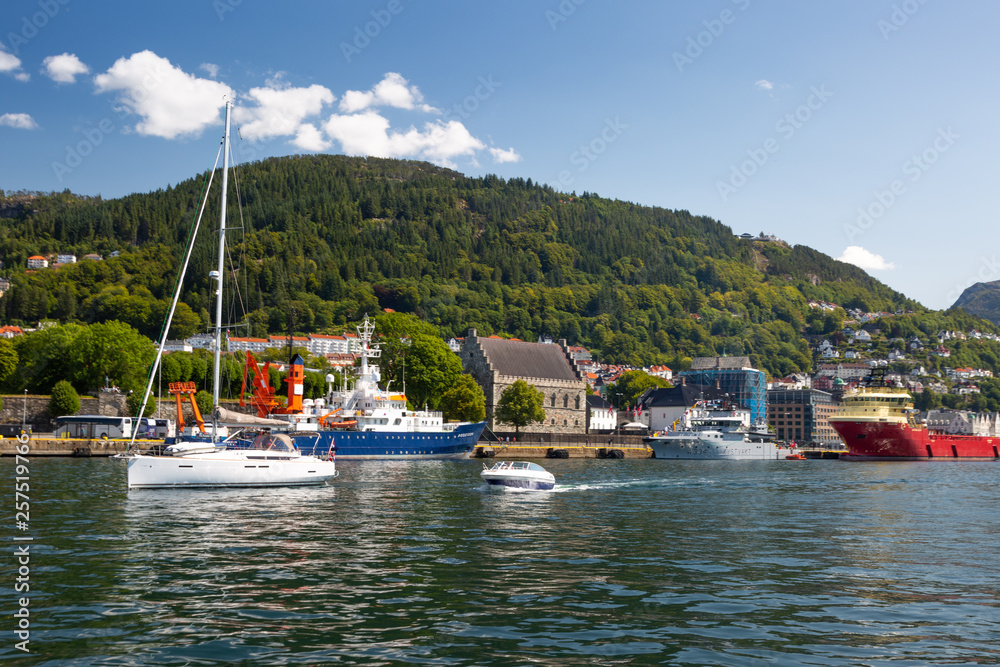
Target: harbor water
638,562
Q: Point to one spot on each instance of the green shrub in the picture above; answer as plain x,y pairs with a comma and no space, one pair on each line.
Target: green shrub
64,400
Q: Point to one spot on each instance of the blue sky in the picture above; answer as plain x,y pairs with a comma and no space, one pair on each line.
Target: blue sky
867,130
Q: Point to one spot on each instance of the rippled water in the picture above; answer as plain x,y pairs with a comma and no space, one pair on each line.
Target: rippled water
626,562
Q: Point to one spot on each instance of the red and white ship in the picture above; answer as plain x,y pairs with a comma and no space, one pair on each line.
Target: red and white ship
877,422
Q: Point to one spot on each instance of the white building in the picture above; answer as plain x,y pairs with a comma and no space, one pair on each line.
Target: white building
601,415
663,372
320,344
237,344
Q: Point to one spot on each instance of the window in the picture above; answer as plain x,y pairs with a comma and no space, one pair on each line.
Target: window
565,400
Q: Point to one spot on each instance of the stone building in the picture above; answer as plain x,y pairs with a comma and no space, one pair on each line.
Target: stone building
496,363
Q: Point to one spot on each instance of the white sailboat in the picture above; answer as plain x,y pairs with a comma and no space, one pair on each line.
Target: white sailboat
219,461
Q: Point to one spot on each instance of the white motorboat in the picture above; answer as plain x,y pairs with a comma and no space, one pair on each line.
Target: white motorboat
518,475
211,459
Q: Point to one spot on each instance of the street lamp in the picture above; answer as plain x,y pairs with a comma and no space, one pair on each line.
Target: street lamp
24,411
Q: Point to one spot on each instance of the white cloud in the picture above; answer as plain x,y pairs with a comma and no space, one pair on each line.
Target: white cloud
500,155
280,111
368,133
210,69
11,64
170,102
64,68
309,138
393,90
21,121
764,84
865,259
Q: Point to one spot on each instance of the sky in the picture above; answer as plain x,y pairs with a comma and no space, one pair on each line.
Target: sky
864,129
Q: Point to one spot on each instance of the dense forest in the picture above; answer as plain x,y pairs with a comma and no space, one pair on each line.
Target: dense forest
324,239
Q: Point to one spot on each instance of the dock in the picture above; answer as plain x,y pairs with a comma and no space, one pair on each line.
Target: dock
79,447
561,451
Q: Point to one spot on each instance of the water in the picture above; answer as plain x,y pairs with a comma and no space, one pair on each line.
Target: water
626,562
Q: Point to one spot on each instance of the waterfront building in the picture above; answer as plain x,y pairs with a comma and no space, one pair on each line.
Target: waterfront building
735,376
802,415
601,415
496,363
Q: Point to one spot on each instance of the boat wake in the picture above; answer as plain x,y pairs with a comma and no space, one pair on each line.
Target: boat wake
636,483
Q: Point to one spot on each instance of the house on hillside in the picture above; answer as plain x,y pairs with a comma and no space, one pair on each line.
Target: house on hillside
37,262
861,336
496,363
662,372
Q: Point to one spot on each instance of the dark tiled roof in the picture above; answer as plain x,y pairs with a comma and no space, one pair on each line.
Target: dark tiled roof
681,395
705,363
595,401
531,360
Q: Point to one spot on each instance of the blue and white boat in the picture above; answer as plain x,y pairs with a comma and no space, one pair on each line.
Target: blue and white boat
367,422
519,475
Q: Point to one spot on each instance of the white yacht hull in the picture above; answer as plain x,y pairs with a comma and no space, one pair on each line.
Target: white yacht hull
226,468
693,447
537,482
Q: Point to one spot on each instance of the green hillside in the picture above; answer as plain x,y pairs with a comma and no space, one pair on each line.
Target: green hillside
330,238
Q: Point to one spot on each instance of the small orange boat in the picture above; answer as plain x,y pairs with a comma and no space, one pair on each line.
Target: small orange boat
795,457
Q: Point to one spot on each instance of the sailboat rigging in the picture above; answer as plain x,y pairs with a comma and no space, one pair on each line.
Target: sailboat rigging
222,460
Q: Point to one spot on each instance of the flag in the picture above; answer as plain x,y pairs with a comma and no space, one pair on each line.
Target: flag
332,454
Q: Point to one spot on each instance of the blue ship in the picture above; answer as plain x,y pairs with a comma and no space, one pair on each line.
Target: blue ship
457,443
362,421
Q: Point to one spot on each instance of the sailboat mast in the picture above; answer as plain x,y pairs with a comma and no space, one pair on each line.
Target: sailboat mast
222,250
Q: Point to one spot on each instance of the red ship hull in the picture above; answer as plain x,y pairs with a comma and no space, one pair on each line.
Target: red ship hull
871,440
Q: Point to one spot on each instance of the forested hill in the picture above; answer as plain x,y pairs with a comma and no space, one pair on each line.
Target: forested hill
982,300
330,238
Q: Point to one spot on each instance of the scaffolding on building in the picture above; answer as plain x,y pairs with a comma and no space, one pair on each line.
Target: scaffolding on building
745,385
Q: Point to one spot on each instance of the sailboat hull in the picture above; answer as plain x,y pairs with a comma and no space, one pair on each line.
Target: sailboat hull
226,468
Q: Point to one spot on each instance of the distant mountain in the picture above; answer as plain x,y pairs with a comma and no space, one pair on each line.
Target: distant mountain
982,300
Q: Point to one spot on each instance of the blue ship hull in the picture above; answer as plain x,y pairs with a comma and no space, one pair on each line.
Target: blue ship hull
457,444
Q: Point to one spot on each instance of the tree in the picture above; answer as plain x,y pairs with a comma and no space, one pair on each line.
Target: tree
45,358
631,385
464,401
520,404
8,360
395,332
204,401
111,350
64,400
431,369
134,401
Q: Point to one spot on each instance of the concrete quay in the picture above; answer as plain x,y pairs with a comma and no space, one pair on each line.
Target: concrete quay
507,450
49,446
